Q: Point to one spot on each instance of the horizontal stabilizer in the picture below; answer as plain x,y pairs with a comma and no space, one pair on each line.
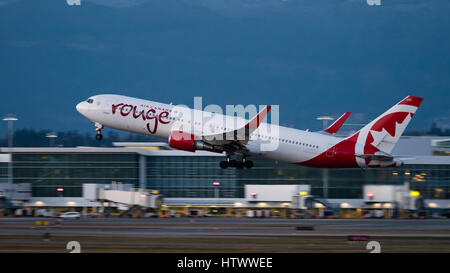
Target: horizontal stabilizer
405,157
377,157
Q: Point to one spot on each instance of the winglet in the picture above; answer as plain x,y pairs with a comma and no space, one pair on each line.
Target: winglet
333,128
256,121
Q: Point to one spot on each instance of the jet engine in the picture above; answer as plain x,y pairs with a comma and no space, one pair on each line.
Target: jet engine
185,141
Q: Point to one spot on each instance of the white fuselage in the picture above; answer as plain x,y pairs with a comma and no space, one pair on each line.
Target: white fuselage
159,120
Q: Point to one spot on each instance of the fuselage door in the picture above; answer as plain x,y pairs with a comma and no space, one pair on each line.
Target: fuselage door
106,107
332,151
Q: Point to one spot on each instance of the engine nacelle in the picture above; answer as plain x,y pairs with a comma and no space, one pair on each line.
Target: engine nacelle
185,141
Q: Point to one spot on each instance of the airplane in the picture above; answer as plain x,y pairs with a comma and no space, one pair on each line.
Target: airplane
184,129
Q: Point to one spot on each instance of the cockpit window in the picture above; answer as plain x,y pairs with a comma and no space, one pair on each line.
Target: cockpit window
90,101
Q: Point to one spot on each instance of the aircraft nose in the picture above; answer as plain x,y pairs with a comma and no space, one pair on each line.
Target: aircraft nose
81,107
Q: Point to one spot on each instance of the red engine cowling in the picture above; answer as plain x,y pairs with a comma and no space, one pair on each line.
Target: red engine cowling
182,141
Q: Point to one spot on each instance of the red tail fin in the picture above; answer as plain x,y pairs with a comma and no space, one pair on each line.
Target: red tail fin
383,132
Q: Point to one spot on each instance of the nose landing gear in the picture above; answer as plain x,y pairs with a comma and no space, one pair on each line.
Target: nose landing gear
99,128
99,136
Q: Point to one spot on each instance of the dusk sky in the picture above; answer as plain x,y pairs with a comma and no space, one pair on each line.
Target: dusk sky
309,57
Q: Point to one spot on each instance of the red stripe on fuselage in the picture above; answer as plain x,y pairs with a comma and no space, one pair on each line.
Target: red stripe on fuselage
341,155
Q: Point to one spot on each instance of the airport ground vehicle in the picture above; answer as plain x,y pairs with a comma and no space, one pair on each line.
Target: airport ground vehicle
70,215
93,214
46,213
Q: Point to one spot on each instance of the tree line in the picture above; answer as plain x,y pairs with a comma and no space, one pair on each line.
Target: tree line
34,138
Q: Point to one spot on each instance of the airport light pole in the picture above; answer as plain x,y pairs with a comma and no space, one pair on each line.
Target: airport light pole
10,119
325,119
216,190
51,136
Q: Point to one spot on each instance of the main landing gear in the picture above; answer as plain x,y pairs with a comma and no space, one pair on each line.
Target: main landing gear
99,128
236,164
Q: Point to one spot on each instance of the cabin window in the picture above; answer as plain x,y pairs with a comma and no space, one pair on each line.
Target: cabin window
90,101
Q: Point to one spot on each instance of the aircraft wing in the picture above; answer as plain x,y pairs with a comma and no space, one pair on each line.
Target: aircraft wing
235,141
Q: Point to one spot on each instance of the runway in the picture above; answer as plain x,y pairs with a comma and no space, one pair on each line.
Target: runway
224,235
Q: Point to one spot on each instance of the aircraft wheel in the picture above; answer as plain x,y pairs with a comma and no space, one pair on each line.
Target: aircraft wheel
248,164
232,163
224,164
99,137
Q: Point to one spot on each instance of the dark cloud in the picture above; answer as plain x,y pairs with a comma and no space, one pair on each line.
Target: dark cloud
310,57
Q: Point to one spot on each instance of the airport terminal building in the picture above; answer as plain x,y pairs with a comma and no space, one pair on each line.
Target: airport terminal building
56,176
